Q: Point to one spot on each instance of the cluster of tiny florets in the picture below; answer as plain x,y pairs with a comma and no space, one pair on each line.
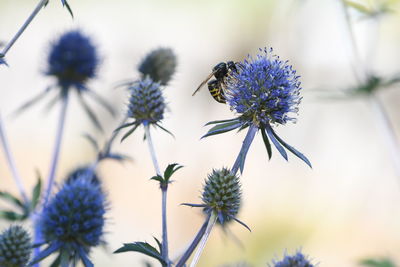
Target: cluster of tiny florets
146,103
73,60
264,90
297,260
159,65
222,194
75,216
15,247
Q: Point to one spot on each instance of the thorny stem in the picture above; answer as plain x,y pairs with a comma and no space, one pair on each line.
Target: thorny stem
164,250
357,57
245,148
39,6
193,245
387,131
211,222
11,163
57,148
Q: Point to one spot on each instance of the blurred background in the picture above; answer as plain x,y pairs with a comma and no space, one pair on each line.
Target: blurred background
344,209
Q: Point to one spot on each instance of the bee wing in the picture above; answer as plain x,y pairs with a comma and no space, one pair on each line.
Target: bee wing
203,82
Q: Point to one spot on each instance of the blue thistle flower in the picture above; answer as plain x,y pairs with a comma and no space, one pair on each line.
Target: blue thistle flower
146,105
297,260
264,92
221,195
86,172
159,64
73,60
15,247
72,222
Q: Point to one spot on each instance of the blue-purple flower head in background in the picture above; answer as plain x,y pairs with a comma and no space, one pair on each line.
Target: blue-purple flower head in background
264,91
73,60
73,221
296,260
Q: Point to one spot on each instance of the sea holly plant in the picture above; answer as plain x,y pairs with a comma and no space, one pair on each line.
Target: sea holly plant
146,107
296,260
264,92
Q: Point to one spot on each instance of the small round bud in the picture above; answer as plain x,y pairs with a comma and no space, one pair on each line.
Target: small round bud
15,247
73,60
159,64
222,194
146,104
86,172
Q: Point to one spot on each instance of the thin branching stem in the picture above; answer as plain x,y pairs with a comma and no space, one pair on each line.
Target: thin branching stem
11,163
57,148
387,131
358,73
39,6
182,261
211,222
164,250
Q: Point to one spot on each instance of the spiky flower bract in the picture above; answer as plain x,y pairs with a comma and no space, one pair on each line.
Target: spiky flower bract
264,92
297,260
73,220
73,60
159,65
222,195
15,247
146,105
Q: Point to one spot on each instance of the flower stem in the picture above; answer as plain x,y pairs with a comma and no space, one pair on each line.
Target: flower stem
387,131
57,148
39,6
194,244
211,222
241,158
11,163
358,63
164,189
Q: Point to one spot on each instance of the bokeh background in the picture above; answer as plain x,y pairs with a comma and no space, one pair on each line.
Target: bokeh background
344,209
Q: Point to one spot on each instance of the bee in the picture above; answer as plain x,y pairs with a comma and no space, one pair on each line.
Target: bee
217,86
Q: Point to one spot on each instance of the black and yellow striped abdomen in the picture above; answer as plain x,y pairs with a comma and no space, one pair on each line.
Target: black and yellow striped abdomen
216,91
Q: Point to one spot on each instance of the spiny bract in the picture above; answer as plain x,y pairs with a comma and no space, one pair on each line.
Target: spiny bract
222,194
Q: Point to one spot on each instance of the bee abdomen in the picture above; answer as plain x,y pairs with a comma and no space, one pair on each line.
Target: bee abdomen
216,91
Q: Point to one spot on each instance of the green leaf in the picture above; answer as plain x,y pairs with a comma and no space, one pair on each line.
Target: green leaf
144,248
357,6
377,263
12,216
158,244
10,198
158,178
36,192
124,126
170,170
65,3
